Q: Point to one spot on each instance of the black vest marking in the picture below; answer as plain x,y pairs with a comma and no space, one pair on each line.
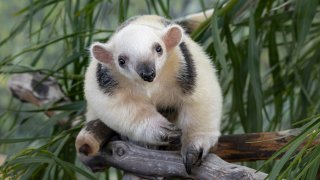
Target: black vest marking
187,75
105,80
171,113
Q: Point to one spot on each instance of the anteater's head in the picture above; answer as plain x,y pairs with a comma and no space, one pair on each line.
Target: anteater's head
138,51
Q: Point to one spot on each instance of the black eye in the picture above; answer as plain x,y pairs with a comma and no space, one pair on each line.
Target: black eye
158,49
122,60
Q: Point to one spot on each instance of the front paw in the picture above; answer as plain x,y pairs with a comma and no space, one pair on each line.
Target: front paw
195,150
191,156
170,134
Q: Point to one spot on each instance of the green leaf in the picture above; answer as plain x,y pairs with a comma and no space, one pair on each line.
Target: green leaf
255,99
19,140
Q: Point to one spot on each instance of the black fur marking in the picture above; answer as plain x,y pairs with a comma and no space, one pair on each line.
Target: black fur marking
126,23
101,130
187,75
105,80
171,113
39,87
187,26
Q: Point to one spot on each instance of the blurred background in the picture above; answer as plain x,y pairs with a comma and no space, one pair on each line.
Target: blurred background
267,54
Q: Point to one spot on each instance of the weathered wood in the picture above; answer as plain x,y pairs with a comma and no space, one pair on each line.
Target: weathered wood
156,163
254,146
231,148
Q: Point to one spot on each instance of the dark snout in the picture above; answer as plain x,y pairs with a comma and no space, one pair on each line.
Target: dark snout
147,75
146,71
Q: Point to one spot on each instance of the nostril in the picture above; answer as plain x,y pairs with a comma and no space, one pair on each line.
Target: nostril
143,75
148,74
152,74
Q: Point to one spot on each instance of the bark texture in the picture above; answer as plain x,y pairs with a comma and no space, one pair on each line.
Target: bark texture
155,163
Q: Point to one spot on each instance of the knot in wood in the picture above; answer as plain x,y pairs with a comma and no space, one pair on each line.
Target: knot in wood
120,151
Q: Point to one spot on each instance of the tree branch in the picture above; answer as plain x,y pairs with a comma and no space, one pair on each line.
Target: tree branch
254,146
97,150
154,163
232,148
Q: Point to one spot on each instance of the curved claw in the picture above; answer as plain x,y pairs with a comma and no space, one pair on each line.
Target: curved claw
192,157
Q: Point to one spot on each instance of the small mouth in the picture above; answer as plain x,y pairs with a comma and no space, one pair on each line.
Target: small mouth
148,79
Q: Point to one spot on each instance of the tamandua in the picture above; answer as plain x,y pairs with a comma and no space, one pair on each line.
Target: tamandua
150,65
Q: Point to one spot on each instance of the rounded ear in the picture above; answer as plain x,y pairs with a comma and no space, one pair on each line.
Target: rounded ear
101,53
173,36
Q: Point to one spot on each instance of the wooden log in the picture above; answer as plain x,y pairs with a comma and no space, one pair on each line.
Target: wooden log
231,148
155,163
254,146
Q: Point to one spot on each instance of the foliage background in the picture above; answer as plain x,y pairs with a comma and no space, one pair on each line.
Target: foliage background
266,52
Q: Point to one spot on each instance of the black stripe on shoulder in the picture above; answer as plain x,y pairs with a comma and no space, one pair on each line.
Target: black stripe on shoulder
187,74
105,80
126,23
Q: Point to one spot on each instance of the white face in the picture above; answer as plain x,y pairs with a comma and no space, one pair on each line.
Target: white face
139,52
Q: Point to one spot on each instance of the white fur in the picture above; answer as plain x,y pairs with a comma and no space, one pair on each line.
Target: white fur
131,110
